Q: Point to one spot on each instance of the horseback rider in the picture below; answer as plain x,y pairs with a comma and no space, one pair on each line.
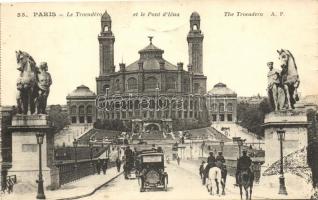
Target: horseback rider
220,160
211,163
243,164
220,157
211,159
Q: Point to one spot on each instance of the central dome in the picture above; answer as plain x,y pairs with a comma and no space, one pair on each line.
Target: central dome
151,59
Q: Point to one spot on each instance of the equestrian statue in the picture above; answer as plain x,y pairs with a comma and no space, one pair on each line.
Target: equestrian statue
33,85
282,85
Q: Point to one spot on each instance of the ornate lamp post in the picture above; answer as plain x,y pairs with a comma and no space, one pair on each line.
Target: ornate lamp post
222,145
39,139
75,143
282,187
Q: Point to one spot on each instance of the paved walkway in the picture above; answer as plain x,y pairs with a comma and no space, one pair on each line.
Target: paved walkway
77,189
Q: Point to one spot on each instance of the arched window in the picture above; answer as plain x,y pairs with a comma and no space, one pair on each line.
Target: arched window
151,83
81,110
229,107
195,27
117,86
73,110
221,107
106,28
89,110
132,83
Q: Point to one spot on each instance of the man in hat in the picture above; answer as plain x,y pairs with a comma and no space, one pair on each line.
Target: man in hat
211,158
220,157
220,160
272,84
243,163
211,163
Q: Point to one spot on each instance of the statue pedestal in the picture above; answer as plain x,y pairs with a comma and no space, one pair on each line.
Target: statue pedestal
25,152
294,122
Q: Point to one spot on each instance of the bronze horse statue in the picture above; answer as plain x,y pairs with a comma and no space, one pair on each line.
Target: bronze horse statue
289,78
26,83
33,85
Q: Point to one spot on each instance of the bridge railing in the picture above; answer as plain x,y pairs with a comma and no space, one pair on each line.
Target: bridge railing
70,171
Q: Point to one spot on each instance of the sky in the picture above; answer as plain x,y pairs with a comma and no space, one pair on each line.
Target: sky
235,48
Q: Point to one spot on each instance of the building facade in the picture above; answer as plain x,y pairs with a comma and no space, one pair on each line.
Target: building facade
222,104
81,106
151,91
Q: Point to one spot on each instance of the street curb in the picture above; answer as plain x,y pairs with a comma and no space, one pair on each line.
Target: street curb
91,193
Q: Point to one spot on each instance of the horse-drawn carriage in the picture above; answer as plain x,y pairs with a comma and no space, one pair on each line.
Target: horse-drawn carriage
151,171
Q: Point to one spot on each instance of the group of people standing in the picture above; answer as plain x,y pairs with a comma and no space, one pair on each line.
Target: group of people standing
101,165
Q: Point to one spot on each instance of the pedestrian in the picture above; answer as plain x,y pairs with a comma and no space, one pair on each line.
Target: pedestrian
118,164
201,169
178,160
104,166
98,165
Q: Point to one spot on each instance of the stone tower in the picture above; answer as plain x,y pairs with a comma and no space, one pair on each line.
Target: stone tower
195,39
106,46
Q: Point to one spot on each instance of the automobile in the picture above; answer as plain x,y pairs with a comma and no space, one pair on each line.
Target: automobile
151,171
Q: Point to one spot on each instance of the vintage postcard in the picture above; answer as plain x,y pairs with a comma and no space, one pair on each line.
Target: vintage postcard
159,100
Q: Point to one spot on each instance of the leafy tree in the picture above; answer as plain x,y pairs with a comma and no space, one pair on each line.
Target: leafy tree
251,116
58,118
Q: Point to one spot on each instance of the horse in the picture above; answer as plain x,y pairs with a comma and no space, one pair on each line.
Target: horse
246,179
289,77
217,175
214,178
26,83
